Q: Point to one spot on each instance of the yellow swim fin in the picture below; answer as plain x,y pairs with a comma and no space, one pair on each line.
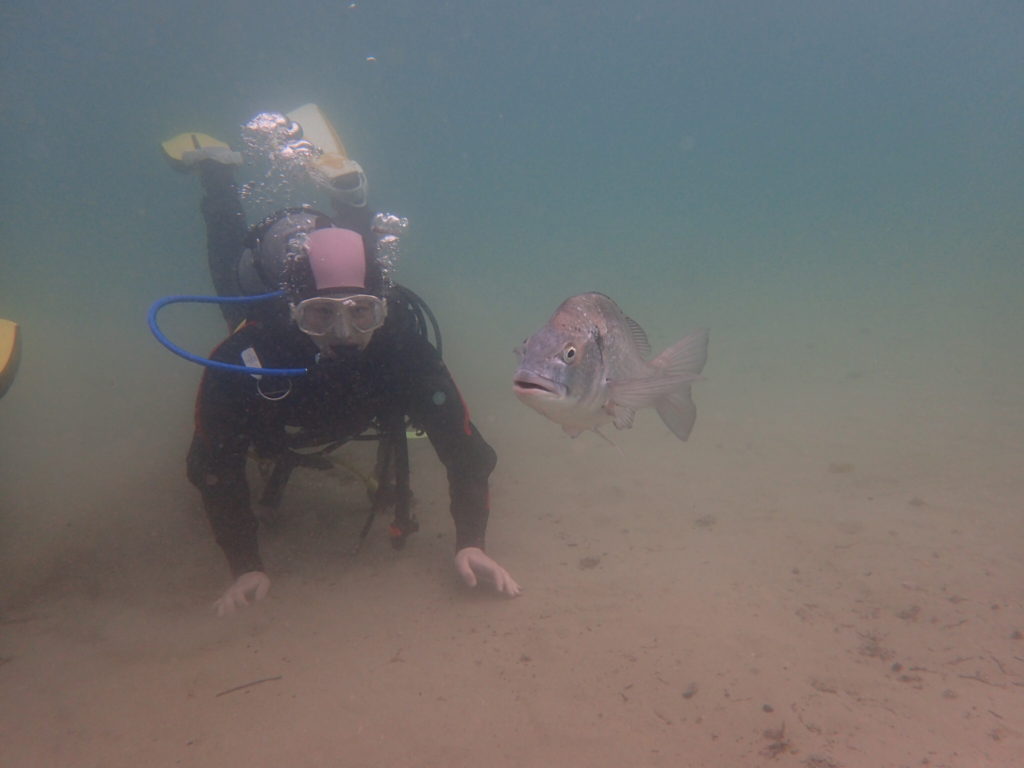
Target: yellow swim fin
183,150
10,353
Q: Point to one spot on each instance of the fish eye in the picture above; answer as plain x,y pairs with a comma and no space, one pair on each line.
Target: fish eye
569,353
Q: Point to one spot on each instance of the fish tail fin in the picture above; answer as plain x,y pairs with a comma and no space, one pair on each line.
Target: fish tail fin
667,387
684,359
678,412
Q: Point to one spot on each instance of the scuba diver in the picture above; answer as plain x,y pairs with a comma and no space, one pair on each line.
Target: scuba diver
332,350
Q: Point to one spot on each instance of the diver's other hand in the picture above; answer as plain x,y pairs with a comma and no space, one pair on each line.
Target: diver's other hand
252,584
473,563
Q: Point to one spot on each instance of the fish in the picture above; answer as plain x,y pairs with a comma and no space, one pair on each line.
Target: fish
588,367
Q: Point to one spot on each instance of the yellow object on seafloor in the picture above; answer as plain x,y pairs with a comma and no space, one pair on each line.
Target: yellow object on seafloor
175,149
10,353
334,160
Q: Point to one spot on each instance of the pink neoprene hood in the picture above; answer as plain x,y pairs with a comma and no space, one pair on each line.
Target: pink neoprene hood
337,258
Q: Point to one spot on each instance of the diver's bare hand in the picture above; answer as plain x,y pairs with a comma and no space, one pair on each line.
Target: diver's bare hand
254,584
473,563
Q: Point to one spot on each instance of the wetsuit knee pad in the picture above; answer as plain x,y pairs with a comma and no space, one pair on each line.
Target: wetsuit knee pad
483,459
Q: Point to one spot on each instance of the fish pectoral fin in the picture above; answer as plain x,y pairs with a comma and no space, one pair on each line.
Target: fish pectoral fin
572,432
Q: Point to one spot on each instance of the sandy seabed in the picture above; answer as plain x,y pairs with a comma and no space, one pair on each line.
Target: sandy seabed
800,584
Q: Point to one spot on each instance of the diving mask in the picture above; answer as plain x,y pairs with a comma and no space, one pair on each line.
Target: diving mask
357,314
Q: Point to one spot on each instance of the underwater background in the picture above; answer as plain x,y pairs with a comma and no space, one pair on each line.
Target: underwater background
835,189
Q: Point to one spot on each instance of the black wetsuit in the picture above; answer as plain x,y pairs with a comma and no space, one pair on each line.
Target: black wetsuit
399,372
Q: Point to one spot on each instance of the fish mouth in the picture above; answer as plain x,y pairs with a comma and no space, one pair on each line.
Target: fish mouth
531,385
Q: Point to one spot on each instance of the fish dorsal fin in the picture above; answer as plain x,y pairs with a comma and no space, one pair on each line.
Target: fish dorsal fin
639,337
